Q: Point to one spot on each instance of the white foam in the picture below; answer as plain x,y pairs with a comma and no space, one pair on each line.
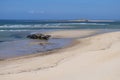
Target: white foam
20,26
16,30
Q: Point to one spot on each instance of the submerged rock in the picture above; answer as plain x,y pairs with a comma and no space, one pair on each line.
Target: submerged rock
39,36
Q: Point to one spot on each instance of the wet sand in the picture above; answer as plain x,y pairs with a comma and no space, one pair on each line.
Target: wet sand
91,58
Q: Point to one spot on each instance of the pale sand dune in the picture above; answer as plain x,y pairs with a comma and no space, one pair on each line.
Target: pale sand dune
92,58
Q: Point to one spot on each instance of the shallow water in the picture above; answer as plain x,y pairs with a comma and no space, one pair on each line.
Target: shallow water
28,46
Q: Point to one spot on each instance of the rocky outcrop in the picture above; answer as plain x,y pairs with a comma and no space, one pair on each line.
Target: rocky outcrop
39,36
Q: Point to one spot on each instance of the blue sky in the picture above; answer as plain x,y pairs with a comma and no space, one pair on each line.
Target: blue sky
60,9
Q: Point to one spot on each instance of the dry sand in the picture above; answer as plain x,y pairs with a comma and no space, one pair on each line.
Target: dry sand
92,58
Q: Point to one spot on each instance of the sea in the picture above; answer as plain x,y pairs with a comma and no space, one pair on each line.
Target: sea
13,41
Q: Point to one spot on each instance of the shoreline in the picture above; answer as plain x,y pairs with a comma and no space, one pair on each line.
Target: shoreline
57,37
48,52
84,54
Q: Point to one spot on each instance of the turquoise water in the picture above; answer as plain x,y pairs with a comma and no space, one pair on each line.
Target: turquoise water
13,41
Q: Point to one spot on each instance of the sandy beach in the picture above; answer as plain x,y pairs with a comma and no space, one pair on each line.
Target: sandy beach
95,57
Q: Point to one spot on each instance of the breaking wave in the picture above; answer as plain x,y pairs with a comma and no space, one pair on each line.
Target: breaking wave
32,27
49,25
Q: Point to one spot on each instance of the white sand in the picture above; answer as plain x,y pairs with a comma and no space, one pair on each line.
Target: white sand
92,58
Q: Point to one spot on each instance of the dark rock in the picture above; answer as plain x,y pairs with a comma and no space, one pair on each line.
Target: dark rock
46,37
39,36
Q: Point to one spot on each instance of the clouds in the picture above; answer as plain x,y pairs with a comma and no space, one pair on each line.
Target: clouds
36,12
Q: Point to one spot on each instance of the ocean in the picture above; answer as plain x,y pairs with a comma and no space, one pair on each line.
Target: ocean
13,41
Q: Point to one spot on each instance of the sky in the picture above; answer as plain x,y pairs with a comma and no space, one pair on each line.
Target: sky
60,9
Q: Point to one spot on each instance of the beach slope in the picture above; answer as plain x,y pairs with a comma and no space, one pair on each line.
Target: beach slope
90,58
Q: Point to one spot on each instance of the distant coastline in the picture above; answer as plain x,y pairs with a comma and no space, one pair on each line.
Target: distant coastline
85,20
